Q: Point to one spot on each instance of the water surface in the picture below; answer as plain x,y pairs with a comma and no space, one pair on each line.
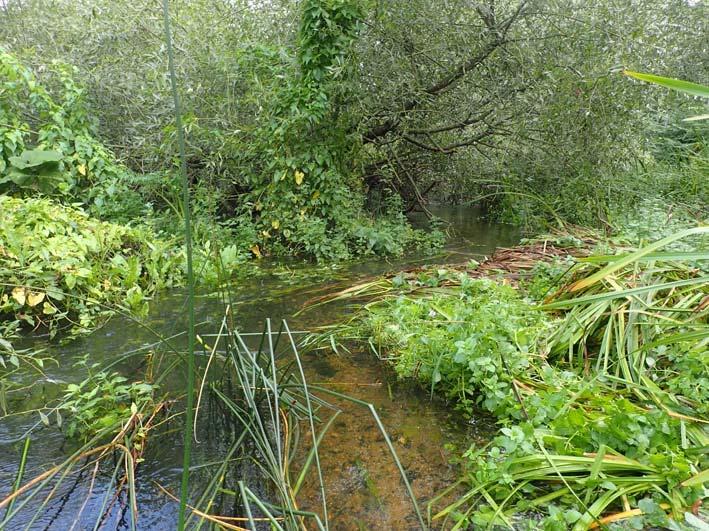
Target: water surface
364,490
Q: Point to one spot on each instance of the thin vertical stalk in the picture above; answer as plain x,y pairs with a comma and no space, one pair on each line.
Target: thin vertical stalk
18,479
276,408
306,395
190,274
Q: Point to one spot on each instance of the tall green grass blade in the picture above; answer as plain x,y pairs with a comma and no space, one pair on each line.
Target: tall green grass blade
271,519
679,256
184,483
694,89
130,478
247,505
628,259
276,416
312,426
18,479
697,479
624,293
311,455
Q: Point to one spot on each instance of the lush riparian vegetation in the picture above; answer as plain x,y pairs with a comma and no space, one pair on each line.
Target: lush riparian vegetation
595,366
313,127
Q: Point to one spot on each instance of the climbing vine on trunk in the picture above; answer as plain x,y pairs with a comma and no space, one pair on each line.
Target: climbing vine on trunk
302,157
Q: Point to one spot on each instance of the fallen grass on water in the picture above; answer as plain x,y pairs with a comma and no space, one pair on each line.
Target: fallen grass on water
601,389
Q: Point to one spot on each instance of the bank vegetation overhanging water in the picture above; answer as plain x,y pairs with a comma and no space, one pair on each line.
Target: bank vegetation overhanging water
592,355
309,130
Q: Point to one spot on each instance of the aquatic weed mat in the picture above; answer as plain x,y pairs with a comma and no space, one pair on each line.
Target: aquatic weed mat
602,395
511,264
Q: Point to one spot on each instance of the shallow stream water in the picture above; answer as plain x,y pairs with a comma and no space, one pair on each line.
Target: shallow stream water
364,490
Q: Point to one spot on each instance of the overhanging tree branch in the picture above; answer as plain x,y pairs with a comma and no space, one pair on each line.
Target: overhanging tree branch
498,32
451,147
450,127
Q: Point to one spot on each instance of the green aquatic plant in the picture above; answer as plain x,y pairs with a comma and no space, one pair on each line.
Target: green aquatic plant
601,399
470,342
102,400
113,421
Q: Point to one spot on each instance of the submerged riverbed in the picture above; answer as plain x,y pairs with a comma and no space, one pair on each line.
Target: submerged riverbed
364,490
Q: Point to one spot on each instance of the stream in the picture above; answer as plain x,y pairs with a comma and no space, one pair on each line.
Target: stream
364,490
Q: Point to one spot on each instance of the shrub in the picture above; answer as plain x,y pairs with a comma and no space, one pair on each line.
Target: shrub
60,267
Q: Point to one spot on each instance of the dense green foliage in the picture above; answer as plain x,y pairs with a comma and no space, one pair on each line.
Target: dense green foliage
457,343
101,401
607,396
59,266
308,120
297,189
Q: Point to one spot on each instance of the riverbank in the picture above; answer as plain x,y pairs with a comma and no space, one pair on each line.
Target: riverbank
591,353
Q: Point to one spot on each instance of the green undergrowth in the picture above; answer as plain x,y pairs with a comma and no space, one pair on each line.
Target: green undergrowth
595,367
61,268
298,200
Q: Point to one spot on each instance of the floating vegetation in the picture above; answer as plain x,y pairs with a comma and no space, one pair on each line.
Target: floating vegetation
601,390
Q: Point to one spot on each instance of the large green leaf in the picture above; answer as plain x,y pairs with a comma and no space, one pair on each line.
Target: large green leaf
695,89
608,295
35,157
633,257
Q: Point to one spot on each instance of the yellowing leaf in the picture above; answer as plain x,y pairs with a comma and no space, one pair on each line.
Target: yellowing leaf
275,224
19,295
299,177
255,249
35,298
48,309
315,196
81,169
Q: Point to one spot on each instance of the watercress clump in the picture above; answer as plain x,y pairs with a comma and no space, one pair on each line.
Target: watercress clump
481,344
102,401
